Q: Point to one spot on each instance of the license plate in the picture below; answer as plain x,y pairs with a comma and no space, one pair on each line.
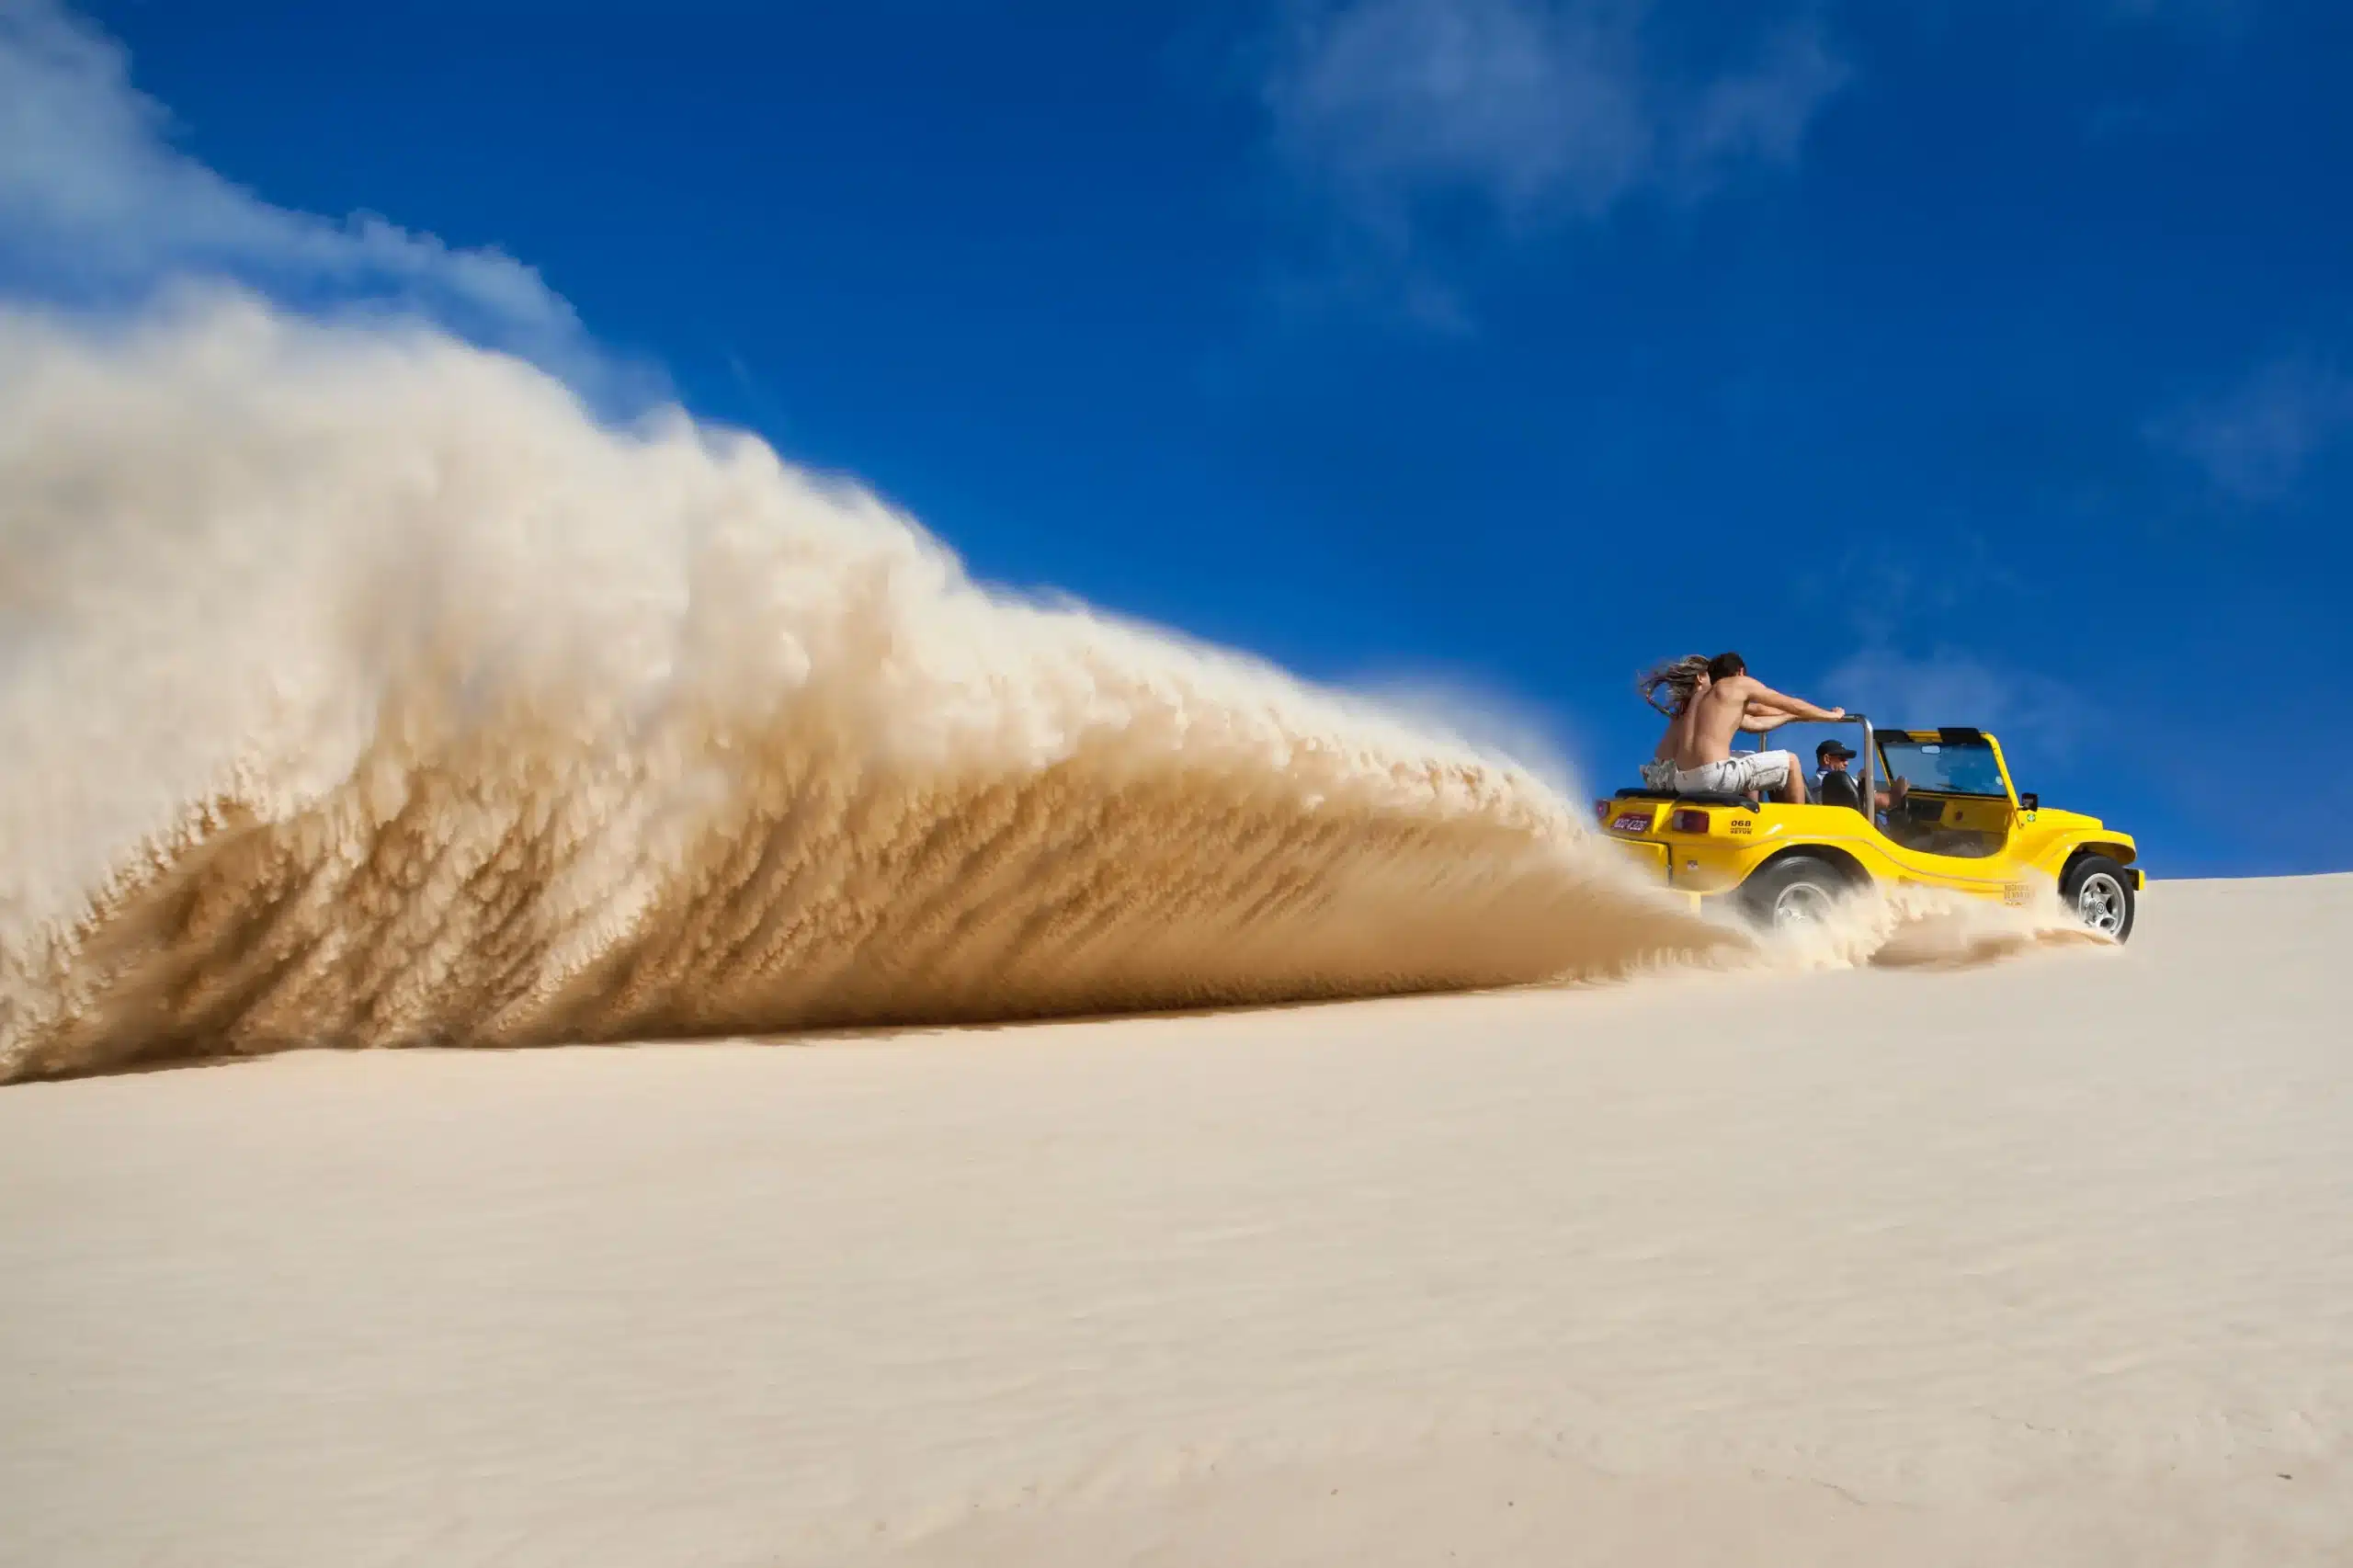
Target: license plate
1632,821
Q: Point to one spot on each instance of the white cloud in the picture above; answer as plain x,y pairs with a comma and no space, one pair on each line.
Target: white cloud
96,203
1951,687
1539,108
2256,440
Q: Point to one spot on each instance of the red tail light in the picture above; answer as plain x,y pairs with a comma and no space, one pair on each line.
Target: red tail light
1601,813
1688,822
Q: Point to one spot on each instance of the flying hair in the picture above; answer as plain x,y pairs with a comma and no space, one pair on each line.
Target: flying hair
1679,677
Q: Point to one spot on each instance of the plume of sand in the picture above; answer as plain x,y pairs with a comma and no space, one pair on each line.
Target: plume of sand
359,689
1924,927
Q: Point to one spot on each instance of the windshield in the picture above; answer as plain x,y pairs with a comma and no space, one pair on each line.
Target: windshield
1946,767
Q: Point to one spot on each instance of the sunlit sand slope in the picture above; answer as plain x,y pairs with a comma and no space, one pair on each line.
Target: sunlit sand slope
2042,1261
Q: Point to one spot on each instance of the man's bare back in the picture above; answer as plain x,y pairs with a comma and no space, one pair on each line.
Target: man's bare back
1724,709
1732,701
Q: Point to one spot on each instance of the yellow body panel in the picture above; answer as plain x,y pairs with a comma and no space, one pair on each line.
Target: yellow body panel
2007,848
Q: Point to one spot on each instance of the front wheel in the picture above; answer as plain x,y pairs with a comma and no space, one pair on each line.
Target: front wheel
2101,893
1794,892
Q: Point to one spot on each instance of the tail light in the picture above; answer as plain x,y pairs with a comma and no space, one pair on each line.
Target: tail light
1688,822
1601,813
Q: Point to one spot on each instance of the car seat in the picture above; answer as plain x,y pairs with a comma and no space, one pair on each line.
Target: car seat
1838,789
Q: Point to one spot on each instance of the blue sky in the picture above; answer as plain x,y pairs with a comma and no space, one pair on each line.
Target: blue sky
1968,362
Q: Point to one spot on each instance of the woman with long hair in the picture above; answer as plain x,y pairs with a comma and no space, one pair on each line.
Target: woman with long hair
1672,688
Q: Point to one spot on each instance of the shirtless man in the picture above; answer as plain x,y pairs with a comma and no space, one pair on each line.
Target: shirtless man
1726,701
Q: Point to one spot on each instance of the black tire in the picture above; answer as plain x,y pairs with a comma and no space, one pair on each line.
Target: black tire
2101,893
1792,889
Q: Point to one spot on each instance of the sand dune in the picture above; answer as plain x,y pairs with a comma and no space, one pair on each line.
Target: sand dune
2042,1261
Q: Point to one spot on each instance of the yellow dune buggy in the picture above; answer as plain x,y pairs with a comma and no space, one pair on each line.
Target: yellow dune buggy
1959,824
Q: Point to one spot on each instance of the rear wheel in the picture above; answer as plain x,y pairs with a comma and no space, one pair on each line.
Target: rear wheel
2101,893
1794,892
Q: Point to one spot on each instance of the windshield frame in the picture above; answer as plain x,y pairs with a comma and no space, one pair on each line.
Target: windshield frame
1922,741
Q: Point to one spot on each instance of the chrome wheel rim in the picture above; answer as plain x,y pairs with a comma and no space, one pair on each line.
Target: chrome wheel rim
2099,902
1800,903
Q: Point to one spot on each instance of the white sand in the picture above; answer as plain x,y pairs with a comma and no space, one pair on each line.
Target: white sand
2051,1262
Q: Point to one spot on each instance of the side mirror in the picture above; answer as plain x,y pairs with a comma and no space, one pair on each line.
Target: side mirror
2029,803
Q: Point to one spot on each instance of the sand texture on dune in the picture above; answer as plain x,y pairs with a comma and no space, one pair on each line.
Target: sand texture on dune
2045,1261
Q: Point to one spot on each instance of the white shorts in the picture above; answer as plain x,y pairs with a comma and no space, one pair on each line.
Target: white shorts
1738,774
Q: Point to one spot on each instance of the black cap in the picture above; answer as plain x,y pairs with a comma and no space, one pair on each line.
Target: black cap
1833,749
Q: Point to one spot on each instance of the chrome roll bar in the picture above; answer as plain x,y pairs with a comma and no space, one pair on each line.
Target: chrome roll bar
1869,783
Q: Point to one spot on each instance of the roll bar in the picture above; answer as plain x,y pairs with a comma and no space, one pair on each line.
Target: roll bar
1868,783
